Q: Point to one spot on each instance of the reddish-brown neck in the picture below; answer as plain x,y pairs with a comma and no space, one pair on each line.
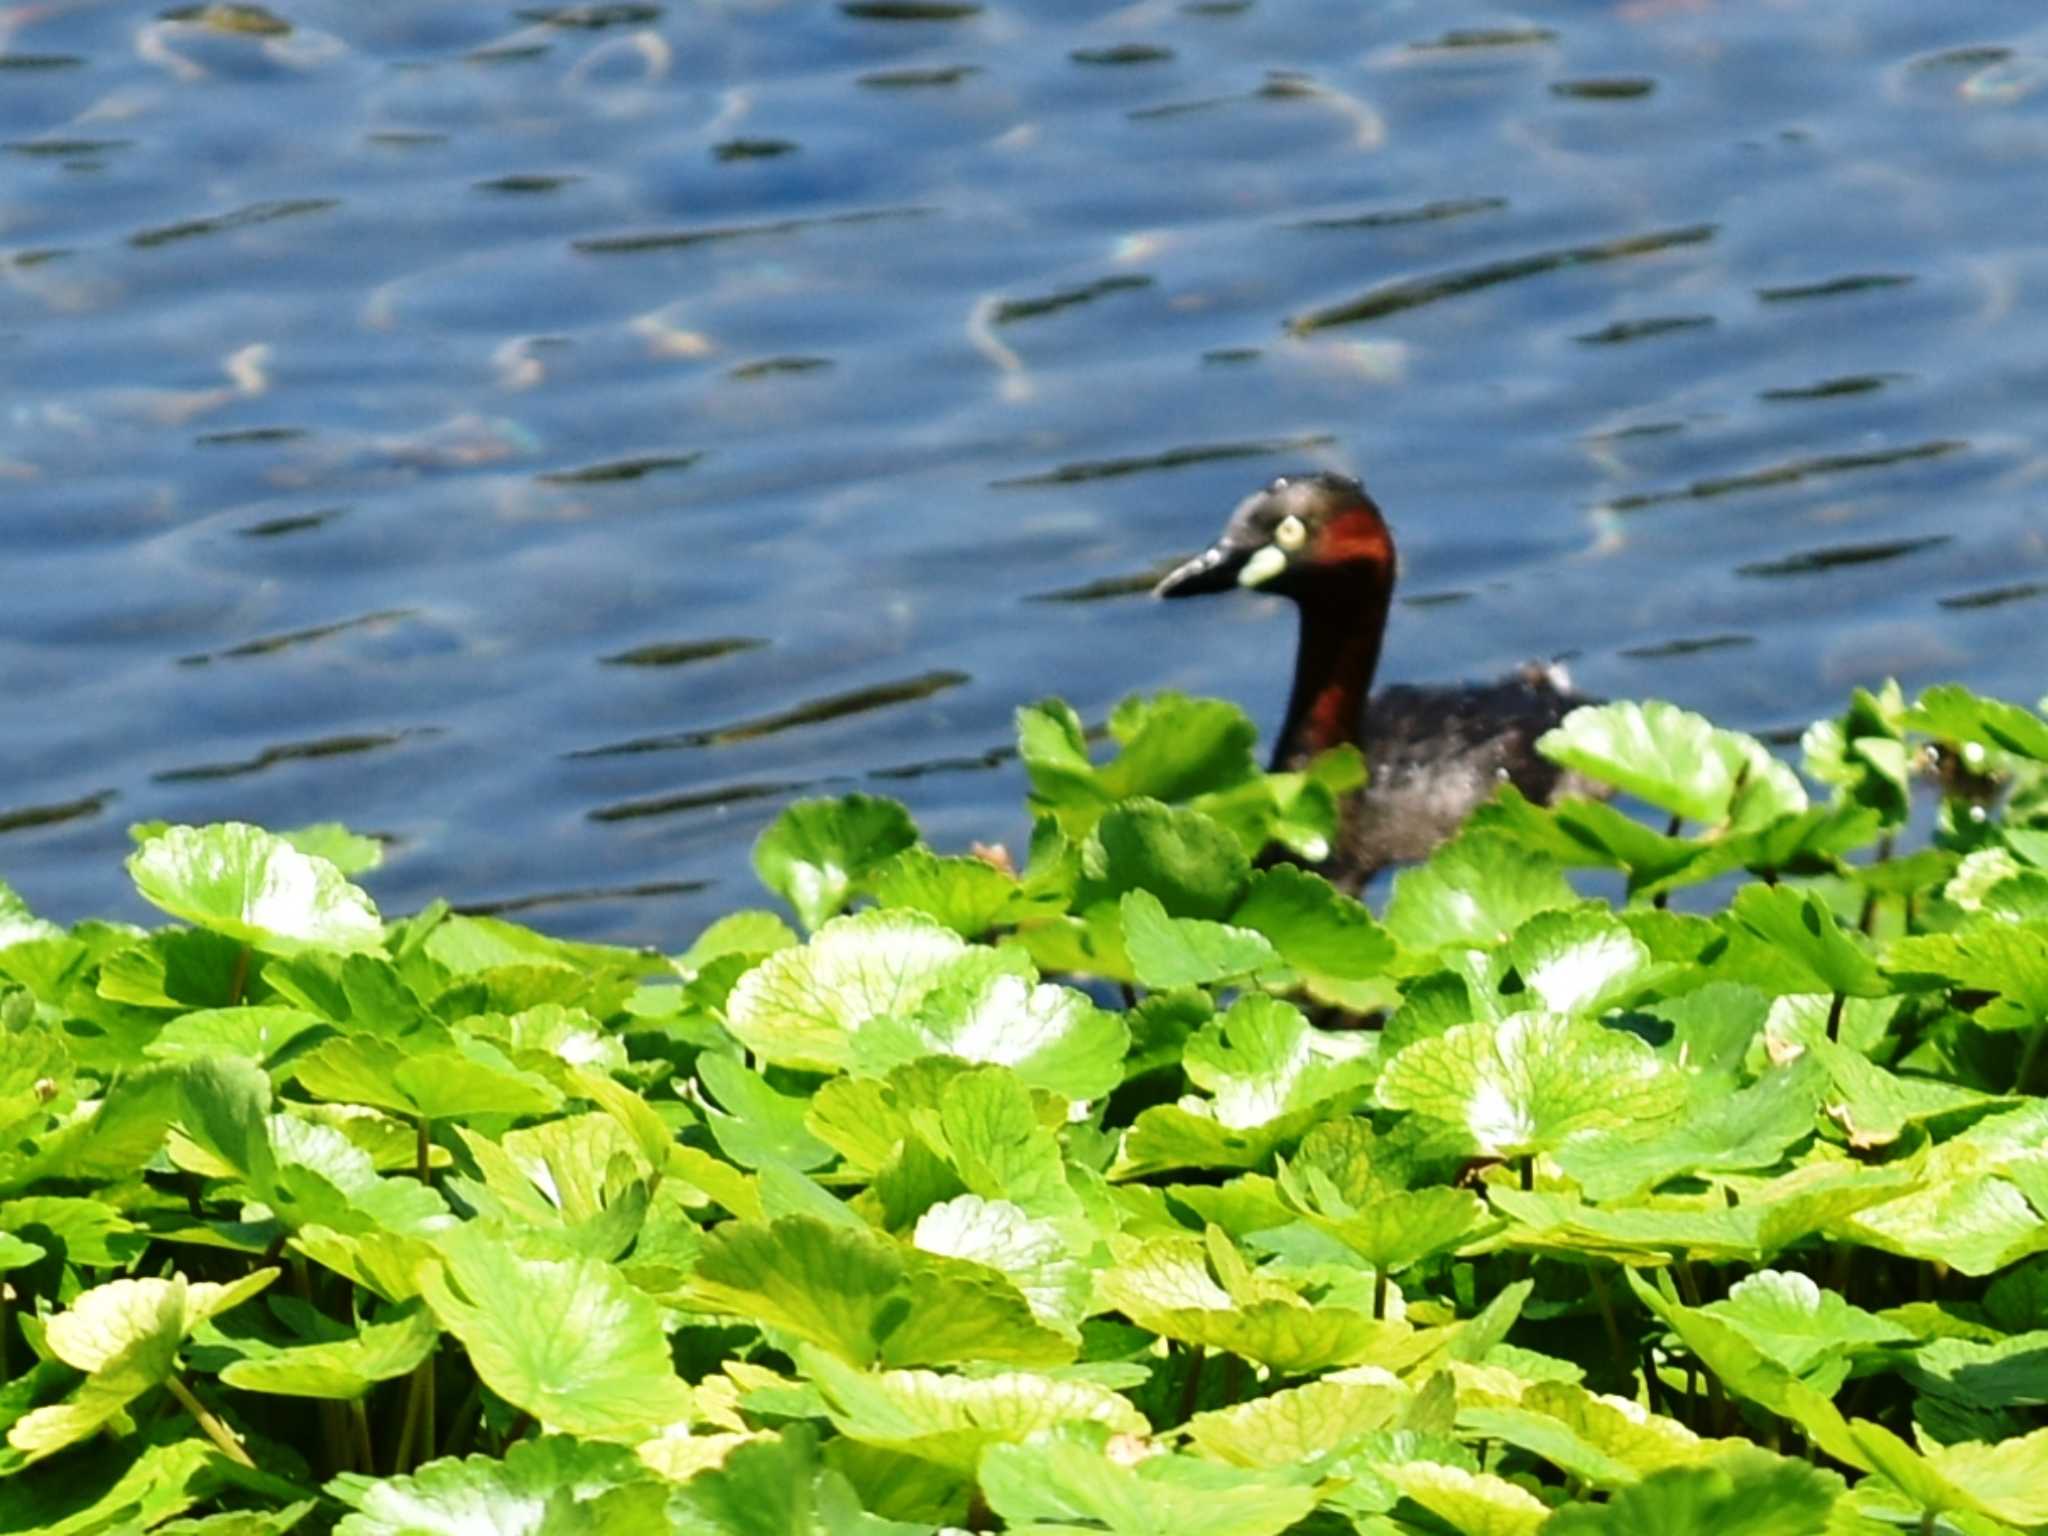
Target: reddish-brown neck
1341,626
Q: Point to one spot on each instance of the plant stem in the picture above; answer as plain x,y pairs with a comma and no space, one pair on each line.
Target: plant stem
215,1431
1868,921
1191,1388
1663,898
240,979
1835,1016
1379,1293
2030,1059
408,1428
1528,1170
1688,1284
1653,1389
1233,1378
425,1146
1622,1360
365,1456
463,1426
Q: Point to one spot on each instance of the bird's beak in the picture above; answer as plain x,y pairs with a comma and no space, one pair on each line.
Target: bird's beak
1215,569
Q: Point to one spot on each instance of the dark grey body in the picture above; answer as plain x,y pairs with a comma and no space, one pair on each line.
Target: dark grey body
1434,755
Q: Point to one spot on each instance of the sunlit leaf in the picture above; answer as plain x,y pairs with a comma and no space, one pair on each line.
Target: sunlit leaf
1476,889
1263,1058
601,1365
869,1300
1068,1481
1531,1082
802,1007
344,1368
816,853
255,887
1051,1036
1741,1493
542,1487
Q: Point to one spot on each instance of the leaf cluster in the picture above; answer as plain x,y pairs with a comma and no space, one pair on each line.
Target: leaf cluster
1149,1184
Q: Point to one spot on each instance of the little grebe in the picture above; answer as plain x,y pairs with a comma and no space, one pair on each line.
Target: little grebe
1433,754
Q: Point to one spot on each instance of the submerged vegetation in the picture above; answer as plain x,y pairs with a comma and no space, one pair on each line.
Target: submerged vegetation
1151,1187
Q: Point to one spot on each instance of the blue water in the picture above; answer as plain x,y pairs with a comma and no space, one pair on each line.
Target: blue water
554,437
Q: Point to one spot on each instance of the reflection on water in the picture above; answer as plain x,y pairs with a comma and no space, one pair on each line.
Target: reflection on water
555,437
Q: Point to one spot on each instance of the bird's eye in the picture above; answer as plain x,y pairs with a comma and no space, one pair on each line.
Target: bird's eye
1291,533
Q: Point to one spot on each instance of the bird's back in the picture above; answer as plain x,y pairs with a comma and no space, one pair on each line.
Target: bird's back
1434,754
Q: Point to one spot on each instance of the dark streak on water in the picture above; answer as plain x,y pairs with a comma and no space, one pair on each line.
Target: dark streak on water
289,752
1172,458
488,405
1412,293
1814,561
270,645
1789,474
29,816
834,707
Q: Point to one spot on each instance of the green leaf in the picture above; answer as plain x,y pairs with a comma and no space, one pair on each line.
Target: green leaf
1051,1036
773,1488
113,1487
751,933
1746,1371
1397,1228
1806,934
1977,1224
2007,1481
1168,952
817,852
1066,1480
601,1365
260,1034
762,1126
1297,1424
471,1078
1471,1503
1580,961
952,1419
1475,890
1165,1287
1863,753
1053,745
1531,1082
1263,1058
18,925
1954,714
2011,1373
1674,759
553,1486
343,1368
1751,1128
1990,955
969,895
1742,1493
1003,1236
254,887
1799,1325
125,1335
802,1007
1193,865
109,1141
869,1300
1175,747
349,852
1326,936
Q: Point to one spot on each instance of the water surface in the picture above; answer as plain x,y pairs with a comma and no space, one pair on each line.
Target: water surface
553,437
